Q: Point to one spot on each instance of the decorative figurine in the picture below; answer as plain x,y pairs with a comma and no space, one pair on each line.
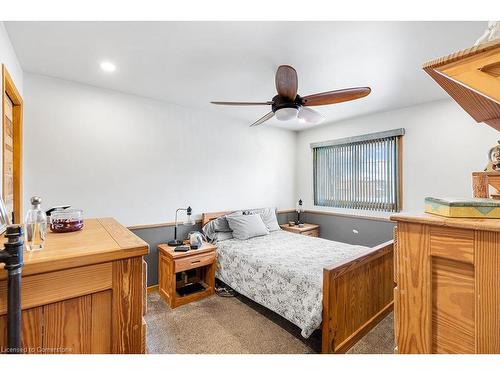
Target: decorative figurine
494,159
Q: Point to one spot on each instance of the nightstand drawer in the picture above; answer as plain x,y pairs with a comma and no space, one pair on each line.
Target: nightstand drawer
194,262
311,233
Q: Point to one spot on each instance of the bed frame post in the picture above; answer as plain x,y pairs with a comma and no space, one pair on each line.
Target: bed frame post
357,294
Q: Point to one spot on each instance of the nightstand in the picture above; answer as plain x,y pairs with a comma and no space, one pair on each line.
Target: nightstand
311,230
188,276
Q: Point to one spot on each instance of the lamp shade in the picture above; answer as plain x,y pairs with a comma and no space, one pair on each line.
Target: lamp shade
190,220
285,114
299,206
309,116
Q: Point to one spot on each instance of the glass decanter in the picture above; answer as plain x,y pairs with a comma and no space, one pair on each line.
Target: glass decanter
36,226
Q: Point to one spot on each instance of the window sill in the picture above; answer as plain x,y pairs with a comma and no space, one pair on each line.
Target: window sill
358,214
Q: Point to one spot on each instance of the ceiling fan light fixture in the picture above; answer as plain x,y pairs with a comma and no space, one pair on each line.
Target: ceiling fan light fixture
287,113
309,116
288,105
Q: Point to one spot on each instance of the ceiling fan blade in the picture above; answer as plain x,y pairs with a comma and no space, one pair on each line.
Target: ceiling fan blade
337,96
286,82
264,118
242,103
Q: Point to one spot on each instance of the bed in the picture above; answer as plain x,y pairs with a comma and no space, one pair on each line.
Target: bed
314,283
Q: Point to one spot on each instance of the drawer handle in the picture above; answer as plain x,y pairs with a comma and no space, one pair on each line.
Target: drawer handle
195,261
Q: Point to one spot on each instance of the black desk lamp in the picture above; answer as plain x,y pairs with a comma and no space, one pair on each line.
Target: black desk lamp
189,221
299,209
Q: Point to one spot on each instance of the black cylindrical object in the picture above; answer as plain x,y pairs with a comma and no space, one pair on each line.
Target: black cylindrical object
13,258
14,311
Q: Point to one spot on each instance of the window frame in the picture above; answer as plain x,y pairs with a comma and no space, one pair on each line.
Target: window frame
397,134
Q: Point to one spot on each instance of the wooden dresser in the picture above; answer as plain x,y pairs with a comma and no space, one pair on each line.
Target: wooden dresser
83,293
447,276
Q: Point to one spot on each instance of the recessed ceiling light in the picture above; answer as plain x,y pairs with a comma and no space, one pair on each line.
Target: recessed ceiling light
108,66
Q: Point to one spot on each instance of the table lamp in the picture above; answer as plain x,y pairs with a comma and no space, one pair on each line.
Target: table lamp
189,221
299,209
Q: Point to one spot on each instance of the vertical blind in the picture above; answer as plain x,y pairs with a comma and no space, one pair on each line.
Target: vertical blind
358,172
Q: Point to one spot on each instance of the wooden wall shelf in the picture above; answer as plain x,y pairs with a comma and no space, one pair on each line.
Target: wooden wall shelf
472,78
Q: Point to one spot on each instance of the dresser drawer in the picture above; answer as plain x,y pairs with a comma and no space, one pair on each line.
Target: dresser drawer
194,262
452,243
311,233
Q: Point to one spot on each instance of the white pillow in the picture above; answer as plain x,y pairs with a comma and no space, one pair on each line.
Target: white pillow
269,218
247,226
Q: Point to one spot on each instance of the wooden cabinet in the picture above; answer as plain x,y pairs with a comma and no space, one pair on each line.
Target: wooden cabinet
75,325
78,325
83,293
311,230
447,276
32,332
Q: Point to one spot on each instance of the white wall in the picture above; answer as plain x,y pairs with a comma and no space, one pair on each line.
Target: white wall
137,159
9,58
441,148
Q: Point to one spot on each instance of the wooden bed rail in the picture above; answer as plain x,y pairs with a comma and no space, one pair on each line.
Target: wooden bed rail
357,294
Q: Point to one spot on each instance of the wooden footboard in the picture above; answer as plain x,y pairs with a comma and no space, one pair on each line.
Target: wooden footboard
357,294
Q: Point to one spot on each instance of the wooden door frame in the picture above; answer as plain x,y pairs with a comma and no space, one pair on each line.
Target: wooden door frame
9,89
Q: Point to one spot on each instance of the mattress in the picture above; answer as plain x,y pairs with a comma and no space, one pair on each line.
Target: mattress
283,271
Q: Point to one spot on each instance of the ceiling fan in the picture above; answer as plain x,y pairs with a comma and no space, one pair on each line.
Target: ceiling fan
288,105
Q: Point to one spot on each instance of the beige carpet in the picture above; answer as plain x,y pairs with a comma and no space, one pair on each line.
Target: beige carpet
221,325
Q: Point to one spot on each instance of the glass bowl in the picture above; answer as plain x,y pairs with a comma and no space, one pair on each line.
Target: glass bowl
69,220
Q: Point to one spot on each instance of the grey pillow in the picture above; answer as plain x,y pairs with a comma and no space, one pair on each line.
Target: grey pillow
247,226
218,229
269,218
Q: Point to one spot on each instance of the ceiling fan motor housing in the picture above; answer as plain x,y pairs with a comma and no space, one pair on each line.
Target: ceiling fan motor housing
280,103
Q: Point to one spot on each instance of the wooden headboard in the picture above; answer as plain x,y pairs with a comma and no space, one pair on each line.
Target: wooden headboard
209,216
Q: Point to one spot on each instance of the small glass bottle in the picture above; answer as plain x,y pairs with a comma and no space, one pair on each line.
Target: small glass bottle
36,226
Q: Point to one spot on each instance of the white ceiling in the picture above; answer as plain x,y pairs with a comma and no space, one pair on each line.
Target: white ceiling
191,63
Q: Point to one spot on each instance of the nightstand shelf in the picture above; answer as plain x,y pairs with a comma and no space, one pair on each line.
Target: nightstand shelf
311,230
178,269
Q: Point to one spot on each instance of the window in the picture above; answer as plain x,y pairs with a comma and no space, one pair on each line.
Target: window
359,172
